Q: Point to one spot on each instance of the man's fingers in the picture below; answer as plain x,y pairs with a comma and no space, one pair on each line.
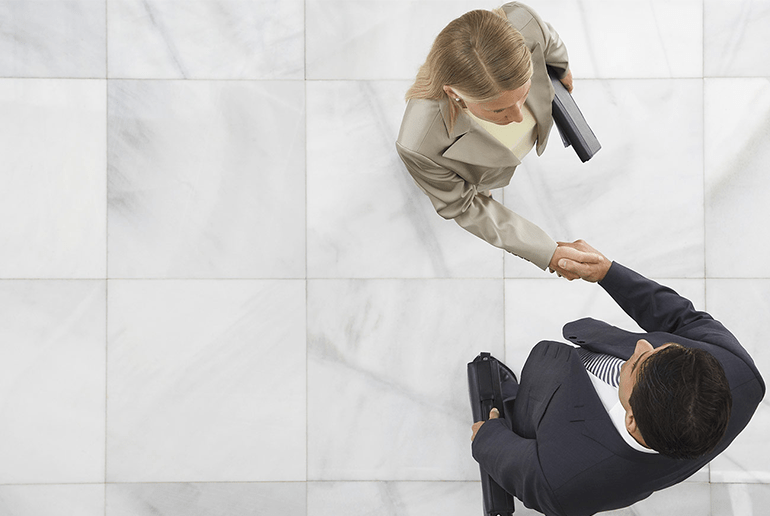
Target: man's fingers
494,414
573,267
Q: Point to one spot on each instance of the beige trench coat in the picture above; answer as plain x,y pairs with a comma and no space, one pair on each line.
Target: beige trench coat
453,168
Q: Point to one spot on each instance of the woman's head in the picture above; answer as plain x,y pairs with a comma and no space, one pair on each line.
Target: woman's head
477,57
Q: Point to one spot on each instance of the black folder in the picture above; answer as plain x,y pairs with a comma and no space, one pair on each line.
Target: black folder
571,123
486,393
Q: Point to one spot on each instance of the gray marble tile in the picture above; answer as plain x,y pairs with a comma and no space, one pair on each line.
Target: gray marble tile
52,383
734,36
387,378
366,215
738,303
52,500
206,39
52,39
640,198
388,498
690,498
225,499
739,499
375,39
737,142
53,200
206,179
605,38
206,381
627,39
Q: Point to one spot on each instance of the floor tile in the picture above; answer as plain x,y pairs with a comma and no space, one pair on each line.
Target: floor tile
733,34
53,39
737,143
206,179
374,39
52,500
52,376
53,200
387,376
225,499
739,499
206,381
387,498
207,39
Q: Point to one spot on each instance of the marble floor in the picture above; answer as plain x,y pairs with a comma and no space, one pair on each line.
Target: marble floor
223,295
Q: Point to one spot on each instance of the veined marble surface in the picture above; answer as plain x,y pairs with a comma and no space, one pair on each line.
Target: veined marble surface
222,293
206,39
51,38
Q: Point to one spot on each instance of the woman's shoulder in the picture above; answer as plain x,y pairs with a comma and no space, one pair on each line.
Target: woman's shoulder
525,20
422,120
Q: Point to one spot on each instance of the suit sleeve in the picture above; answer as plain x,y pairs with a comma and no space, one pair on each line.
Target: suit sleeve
656,307
454,198
512,461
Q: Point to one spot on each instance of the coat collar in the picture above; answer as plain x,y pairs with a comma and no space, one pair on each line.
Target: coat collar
474,145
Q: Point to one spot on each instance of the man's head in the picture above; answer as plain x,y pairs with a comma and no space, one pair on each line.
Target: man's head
677,399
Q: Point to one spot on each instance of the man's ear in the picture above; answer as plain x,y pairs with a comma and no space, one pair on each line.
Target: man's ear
630,422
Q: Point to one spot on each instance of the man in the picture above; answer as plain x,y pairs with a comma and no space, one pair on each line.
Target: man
587,432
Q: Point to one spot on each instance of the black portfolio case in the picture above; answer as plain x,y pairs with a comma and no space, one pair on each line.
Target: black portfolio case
485,393
570,122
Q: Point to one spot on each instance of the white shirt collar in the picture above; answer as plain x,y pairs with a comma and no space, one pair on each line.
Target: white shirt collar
609,397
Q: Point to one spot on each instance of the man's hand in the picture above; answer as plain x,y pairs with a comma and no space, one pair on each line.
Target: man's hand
493,414
592,266
567,81
569,254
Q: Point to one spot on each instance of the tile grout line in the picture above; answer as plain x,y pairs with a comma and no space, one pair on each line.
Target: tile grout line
106,236
705,207
307,339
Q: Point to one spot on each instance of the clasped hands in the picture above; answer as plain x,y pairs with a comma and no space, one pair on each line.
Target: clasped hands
579,260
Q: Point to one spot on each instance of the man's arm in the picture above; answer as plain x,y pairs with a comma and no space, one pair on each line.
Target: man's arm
512,461
653,306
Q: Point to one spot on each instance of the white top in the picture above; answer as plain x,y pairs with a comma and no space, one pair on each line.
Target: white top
520,137
609,396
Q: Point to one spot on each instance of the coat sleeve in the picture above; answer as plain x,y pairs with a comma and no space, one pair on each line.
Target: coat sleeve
454,198
656,307
512,461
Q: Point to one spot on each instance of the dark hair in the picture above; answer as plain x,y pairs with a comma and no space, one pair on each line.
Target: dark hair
681,402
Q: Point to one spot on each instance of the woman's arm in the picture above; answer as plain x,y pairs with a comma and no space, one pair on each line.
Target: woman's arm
454,198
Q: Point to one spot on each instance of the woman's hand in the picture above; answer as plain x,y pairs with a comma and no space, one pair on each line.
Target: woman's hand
567,81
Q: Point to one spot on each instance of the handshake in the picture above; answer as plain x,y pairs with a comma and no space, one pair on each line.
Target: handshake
579,260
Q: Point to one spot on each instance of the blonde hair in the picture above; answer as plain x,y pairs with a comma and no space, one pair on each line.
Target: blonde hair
479,55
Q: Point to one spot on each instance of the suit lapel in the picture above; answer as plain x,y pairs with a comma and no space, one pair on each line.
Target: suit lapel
600,337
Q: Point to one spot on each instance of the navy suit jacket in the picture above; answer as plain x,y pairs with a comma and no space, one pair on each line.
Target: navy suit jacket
559,453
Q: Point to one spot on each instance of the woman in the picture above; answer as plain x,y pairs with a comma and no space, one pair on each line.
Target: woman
480,102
